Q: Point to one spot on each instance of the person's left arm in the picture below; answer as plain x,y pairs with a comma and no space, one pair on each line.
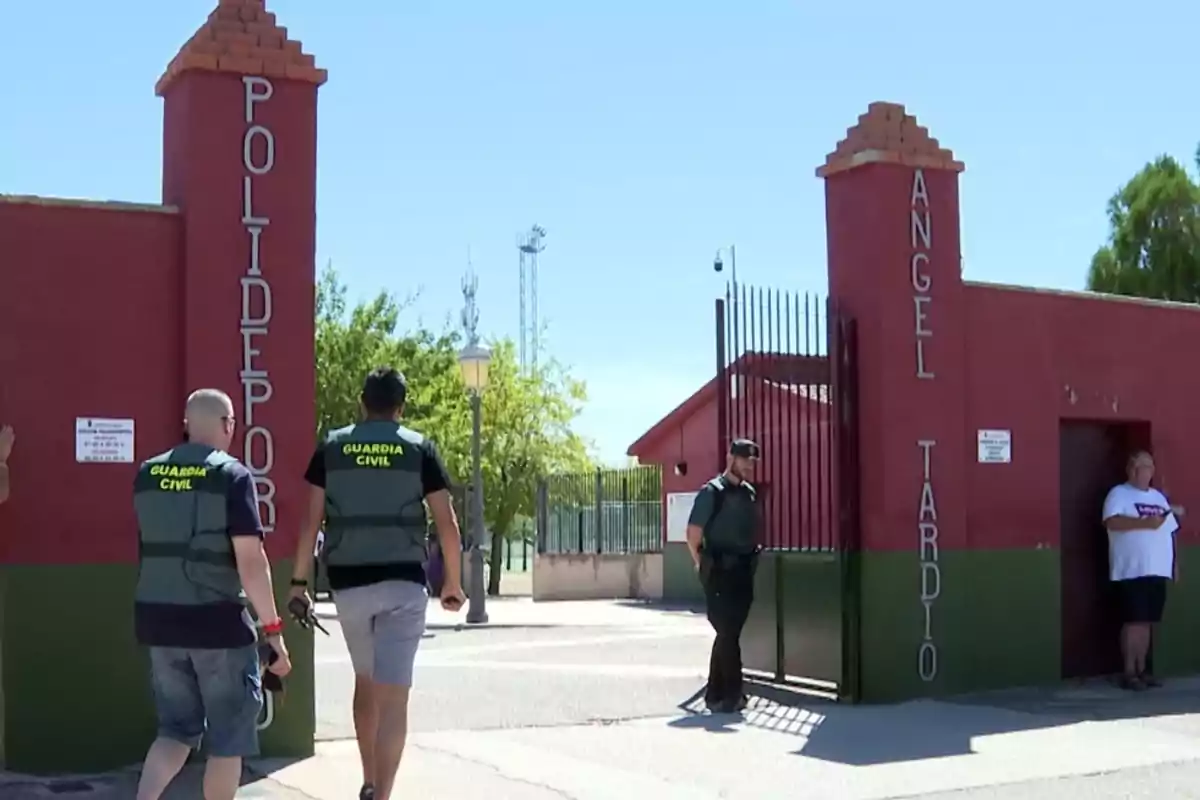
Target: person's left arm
1175,555
246,531
254,568
1176,512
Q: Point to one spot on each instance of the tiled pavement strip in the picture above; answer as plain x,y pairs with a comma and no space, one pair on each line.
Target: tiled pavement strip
556,739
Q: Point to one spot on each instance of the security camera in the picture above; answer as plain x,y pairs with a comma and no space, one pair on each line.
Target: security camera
718,264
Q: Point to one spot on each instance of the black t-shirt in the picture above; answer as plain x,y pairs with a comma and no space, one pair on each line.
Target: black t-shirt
218,625
434,478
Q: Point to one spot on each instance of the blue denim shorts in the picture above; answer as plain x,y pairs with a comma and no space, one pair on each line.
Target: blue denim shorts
214,696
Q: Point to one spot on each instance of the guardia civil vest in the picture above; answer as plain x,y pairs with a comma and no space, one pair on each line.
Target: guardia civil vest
185,554
733,532
374,499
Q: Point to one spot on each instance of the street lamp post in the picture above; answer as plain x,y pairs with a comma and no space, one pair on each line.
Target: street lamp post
474,361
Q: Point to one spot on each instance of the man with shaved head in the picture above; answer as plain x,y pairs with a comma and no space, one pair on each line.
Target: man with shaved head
201,558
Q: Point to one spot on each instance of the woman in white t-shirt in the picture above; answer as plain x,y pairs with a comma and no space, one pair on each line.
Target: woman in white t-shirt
1141,556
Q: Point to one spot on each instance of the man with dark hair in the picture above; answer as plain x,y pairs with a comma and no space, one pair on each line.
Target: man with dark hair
200,549
7,437
372,483
722,536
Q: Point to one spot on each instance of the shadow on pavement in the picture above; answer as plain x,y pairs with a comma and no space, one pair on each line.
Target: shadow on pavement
663,605
1096,699
123,785
863,735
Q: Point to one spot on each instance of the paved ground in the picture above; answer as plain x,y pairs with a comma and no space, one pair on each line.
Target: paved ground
583,701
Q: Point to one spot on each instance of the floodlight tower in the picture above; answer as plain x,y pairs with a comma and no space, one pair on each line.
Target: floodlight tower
529,244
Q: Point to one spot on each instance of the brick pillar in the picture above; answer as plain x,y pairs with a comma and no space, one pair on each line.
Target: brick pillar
239,160
892,221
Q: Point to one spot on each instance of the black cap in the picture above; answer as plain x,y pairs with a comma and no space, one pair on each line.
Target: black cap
744,448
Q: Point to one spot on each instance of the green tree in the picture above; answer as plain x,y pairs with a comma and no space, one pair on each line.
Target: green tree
352,342
1154,241
526,420
527,434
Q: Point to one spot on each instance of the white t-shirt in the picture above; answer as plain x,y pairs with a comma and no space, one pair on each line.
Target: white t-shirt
1140,553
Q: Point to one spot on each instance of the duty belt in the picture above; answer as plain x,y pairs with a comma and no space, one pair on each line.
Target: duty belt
726,559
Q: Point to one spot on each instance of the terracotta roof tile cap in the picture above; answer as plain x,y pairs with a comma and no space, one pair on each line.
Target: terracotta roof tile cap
888,134
242,37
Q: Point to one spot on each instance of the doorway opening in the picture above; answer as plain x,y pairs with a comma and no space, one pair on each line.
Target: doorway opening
1091,460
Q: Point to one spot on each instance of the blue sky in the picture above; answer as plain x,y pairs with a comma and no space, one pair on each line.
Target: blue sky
642,136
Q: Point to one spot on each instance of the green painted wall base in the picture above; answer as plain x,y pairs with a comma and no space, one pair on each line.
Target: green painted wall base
1177,641
996,623
680,584
74,686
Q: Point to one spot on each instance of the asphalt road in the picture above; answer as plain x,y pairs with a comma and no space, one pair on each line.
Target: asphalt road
519,700
587,701
481,678
1164,782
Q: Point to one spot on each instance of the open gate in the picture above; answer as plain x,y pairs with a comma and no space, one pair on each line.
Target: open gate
786,362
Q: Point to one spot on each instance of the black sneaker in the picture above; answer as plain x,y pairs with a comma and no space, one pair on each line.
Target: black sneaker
367,792
741,703
730,706
1132,683
1151,681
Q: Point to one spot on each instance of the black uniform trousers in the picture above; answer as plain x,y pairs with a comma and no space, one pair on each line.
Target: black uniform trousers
729,592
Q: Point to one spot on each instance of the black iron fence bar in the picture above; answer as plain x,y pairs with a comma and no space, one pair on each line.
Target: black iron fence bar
776,373
722,382
810,471
791,459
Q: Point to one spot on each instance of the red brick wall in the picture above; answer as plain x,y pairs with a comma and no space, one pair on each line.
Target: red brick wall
89,302
1037,357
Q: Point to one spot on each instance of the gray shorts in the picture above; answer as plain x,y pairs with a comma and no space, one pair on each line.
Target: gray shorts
383,624
214,695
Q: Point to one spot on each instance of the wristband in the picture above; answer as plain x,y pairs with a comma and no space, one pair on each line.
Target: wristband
299,583
273,628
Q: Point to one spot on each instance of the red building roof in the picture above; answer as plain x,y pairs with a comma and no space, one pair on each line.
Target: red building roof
784,369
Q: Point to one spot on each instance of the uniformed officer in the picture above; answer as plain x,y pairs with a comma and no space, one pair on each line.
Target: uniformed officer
372,483
200,557
722,534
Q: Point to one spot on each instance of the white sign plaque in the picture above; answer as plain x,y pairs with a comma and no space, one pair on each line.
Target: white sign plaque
995,447
679,508
103,441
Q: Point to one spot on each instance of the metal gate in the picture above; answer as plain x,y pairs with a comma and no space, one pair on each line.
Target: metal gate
787,367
